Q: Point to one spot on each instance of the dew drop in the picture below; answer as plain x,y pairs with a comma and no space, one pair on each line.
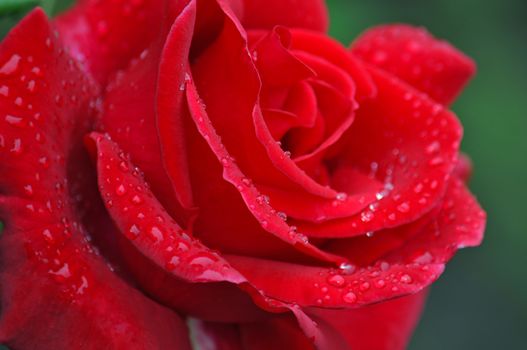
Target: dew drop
182,247
11,65
433,147
341,196
282,215
156,233
172,263
349,297
62,274
14,120
406,279
17,147
336,281
347,268
364,286
404,207
133,232
120,190
366,216
380,283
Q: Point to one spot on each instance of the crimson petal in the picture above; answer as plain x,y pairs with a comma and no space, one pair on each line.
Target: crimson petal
415,56
53,281
143,220
130,113
413,147
347,287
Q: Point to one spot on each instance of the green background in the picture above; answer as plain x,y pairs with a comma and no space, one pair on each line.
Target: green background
481,300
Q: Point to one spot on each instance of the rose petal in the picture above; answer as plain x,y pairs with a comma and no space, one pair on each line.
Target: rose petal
130,114
348,286
329,49
53,281
309,14
412,54
170,103
460,224
412,146
143,220
384,326
249,220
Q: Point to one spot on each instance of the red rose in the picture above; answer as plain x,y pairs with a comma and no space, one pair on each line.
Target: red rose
249,176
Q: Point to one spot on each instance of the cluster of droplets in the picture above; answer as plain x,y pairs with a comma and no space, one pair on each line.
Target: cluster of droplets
351,285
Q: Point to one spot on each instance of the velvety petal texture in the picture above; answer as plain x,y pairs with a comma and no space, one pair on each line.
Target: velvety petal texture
412,54
52,281
221,174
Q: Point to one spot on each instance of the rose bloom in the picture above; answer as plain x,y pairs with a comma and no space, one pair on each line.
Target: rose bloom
223,175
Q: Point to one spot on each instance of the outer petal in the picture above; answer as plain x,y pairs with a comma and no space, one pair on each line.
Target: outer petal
384,326
405,264
52,281
265,14
413,55
347,287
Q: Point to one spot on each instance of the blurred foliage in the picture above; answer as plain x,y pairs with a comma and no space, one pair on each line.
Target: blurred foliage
481,300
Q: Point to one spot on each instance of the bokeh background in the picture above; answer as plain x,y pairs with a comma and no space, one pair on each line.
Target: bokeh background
481,300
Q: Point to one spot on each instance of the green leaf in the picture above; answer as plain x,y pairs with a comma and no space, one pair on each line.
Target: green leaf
8,7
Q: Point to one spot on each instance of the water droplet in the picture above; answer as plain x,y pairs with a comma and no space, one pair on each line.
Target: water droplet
133,232
347,268
406,279
156,234
282,215
4,90
172,263
123,166
436,161
364,286
14,120
336,281
380,283
182,247
120,190
404,207
48,237
424,258
366,216
28,189
62,274
201,261
17,147
11,65
341,196
385,266
349,297
433,147
369,234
